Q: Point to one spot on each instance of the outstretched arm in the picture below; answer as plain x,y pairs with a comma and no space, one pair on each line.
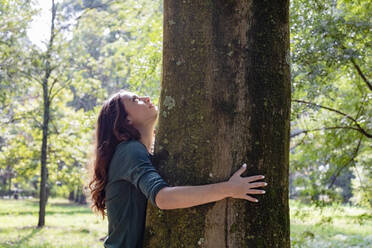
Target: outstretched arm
189,196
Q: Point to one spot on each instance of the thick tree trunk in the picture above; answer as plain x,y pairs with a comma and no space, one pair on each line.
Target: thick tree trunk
225,100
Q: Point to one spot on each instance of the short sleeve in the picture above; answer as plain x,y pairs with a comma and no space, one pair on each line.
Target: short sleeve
140,171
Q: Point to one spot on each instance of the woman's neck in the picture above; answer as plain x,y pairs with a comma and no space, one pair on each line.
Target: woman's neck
147,136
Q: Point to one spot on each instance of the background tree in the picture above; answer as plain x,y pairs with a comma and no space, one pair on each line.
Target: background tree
331,137
14,21
83,73
225,100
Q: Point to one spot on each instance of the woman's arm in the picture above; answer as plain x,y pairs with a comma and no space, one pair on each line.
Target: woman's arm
189,196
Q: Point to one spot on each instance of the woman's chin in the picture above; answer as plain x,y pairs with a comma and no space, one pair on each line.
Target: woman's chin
156,112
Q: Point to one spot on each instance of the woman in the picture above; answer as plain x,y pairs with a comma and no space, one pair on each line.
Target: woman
124,177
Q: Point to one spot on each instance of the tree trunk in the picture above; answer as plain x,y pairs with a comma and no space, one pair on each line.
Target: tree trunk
10,185
71,196
225,100
43,172
82,198
46,105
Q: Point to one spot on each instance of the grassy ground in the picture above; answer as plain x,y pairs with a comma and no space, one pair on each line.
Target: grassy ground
70,225
328,227
67,225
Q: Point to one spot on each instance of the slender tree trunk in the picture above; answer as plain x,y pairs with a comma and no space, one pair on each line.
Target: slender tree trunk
10,185
46,116
225,100
4,182
71,196
43,172
82,198
47,186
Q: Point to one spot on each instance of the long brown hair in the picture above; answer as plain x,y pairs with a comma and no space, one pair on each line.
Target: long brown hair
111,129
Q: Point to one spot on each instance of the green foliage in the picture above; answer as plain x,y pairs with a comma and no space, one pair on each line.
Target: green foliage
118,46
331,47
14,20
362,186
17,154
99,47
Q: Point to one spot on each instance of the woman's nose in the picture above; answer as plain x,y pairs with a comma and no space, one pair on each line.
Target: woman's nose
146,98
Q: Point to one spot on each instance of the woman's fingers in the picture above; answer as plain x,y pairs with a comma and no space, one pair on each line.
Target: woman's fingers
241,170
256,191
254,178
249,198
257,184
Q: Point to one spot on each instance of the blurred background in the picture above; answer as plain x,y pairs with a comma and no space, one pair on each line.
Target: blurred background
68,56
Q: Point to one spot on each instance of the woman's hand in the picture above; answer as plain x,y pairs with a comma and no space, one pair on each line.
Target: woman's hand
240,187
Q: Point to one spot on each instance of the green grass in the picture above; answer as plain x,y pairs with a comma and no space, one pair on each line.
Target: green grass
71,225
67,225
331,226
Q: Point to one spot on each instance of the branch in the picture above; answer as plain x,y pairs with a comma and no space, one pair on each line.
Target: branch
355,154
299,143
359,111
30,77
364,188
323,128
360,129
39,124
51,87
5,43
67,83
87,9
358,69
54,126
361,74
11,120
23,116
52,32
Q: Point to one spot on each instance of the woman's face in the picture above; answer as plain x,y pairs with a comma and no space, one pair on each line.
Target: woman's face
141,111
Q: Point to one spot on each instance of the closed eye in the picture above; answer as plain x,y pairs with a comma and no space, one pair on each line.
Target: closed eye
134,99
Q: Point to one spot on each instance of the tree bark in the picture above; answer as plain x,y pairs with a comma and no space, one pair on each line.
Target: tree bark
10,186
71,196
225,100
46,115
43,158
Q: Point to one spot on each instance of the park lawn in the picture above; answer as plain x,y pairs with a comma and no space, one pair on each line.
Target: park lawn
71,225
338,226
67,225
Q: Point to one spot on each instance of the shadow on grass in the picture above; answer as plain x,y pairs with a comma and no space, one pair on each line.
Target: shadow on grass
35,203
68,208
23,241
67,212
67,204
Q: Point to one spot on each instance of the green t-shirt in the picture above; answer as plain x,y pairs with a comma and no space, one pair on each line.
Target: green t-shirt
132,179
